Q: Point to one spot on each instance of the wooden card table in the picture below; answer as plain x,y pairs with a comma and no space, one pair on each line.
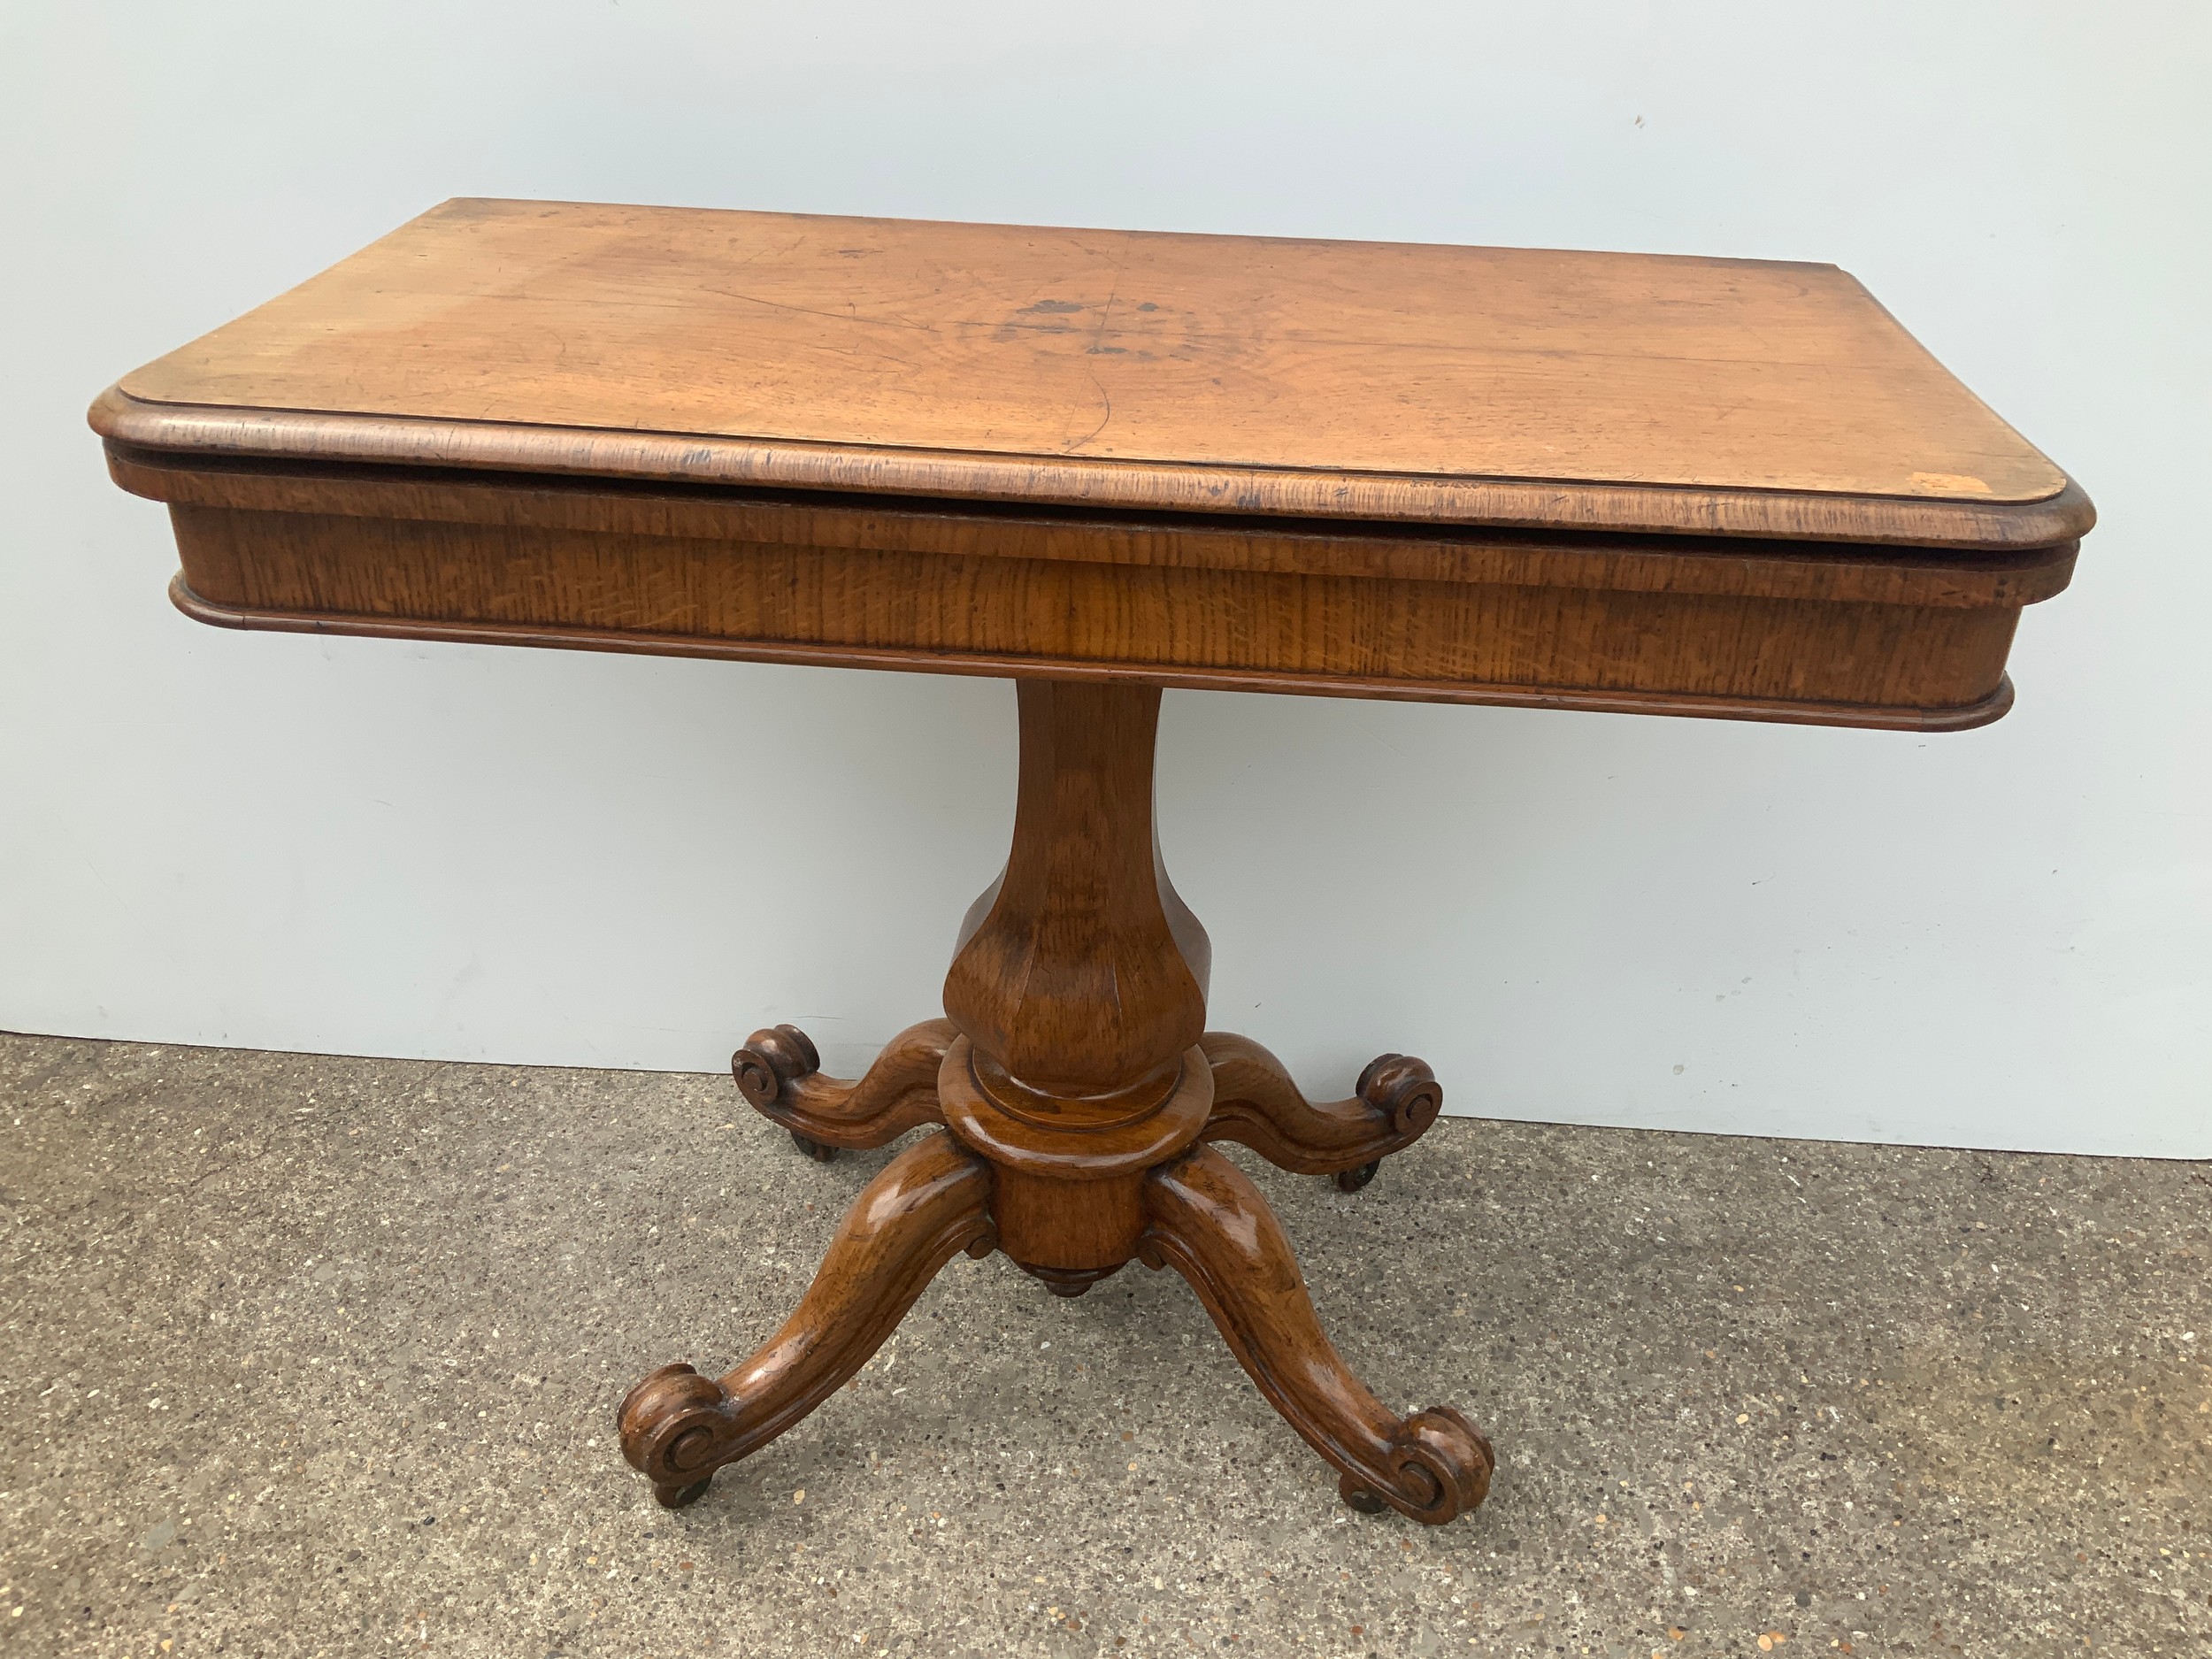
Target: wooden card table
1100,462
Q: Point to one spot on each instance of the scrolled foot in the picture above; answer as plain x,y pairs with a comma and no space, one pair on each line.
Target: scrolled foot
1403,1090
771,1063
1211,1223
1440,1464
1256,1102
671,1423
933,1199
682,1497
778,1071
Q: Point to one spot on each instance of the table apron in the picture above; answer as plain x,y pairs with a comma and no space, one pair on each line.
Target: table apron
1921,666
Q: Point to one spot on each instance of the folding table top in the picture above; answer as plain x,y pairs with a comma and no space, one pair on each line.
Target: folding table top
1117,369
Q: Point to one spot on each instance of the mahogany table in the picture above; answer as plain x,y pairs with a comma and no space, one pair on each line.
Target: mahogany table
1100,462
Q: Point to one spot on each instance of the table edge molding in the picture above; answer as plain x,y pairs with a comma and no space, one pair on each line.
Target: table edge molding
1325,549
1073,481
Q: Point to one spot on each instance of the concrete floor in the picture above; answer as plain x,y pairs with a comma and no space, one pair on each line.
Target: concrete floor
309,1355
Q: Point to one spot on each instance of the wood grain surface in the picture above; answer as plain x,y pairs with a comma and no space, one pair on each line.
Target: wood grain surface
1594,480
1206,1219
1529,558
927,1204
1072,1109
1847,662
1382,380
1257,1101
779,1073
1072,984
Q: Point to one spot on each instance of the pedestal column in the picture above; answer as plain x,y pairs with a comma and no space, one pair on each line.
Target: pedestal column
1079,990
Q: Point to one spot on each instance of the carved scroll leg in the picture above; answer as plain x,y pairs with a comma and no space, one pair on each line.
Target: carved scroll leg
932,1200
1211,1222
1256,1101
779,1073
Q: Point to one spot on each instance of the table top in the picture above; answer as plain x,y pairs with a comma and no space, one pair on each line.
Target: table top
1119,368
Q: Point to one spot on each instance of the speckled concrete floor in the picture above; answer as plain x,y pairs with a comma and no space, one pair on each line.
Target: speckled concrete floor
309,1355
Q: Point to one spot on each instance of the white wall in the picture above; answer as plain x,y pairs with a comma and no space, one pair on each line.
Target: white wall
2002,938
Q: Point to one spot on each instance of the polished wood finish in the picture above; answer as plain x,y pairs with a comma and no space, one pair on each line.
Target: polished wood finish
1069,1195
513,506
1368,380
1210,1223
1962,659
1102,462
1075,986
1602,482
932,1201
1864,636
779,1073
1076,1090
1396,1099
